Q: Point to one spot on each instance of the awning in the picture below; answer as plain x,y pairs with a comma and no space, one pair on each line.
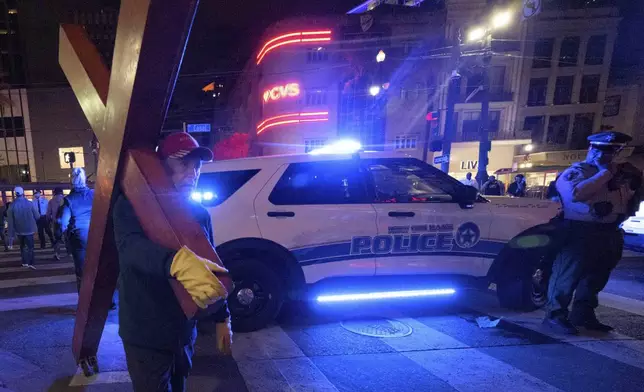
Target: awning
533,169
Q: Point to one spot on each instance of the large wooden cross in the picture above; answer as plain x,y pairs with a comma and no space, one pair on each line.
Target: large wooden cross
126,109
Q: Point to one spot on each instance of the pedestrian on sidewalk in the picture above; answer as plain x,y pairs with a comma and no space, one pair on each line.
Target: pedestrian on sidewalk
157,337
75,215
8,238
53,209
3,221
44,224
22,217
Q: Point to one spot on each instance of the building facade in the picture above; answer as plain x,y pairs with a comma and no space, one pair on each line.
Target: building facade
317,80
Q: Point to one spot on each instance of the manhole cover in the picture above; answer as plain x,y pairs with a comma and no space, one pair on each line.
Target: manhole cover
378,328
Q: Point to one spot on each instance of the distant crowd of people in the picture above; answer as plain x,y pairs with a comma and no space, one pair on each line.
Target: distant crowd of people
64,220
494,187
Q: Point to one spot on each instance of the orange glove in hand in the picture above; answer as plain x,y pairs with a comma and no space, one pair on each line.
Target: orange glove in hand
224,337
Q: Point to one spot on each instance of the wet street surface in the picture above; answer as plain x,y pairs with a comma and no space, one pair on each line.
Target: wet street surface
447,345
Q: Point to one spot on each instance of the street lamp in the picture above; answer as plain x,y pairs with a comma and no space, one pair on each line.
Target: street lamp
528,147
380,57
374,90
476,34
501,19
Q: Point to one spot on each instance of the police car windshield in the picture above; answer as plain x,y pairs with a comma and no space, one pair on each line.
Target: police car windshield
406,181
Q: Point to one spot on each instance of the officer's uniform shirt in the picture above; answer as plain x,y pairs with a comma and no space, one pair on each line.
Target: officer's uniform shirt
584,194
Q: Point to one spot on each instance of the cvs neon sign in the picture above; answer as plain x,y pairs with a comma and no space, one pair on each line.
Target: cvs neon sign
279,92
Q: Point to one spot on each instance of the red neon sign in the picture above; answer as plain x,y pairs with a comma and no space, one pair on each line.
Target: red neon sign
292,118
293,38
276,93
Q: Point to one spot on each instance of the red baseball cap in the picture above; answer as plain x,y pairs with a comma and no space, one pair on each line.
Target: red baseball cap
179,145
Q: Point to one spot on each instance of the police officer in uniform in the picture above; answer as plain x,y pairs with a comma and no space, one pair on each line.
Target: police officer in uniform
597,195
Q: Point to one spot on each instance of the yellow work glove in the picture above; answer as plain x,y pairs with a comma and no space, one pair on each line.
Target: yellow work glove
224,337
196,274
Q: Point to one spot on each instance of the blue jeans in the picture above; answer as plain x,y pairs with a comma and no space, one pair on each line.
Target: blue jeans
27,248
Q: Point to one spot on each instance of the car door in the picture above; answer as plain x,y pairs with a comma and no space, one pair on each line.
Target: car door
317,210
423,227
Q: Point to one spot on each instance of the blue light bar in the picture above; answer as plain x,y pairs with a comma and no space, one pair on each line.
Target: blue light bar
385,295
339,147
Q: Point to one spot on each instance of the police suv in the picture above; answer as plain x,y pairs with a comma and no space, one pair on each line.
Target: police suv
285,223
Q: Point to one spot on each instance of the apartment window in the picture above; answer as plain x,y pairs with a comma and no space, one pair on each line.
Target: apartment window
313,144
569,52
315,97
581,129
471,123
537,92
563,90
558,129
589,89
495,120
497,79
535,124
317,55
543,53
405,142
595,50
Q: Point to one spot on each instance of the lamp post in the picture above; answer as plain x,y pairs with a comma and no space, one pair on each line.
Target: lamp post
483,34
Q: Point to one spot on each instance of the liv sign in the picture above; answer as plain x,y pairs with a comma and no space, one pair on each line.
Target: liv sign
280,92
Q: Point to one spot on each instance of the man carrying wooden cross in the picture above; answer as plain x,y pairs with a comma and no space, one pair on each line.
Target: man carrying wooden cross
157,336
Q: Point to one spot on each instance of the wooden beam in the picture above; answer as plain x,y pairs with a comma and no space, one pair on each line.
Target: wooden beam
86,72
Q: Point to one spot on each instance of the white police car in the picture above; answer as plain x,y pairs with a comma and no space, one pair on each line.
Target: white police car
283,223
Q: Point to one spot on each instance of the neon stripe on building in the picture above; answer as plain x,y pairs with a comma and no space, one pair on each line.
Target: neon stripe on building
293,38
292,118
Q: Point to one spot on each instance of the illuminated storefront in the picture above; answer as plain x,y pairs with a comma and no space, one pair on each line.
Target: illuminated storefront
464,157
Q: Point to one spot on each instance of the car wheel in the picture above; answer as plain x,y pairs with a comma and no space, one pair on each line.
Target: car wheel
526,292
257,297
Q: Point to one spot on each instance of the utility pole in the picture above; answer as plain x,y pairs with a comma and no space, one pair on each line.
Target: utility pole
453,91
484,140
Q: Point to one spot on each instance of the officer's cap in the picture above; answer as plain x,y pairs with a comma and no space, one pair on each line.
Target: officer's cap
609,139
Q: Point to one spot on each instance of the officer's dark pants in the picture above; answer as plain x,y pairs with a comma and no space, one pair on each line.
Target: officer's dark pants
584,264
78,248
158,370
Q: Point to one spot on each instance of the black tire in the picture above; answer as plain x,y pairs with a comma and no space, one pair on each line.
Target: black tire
268,292
525,292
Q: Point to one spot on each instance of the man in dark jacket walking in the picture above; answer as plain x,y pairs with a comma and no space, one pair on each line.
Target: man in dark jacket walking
157,337
75,214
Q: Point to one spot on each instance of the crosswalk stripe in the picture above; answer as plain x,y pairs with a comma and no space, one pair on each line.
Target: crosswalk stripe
629,305
40,301
41,267
80,379
269,343
11,283
612,345
464,368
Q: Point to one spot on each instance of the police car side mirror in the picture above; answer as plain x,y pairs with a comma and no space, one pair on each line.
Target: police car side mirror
468,196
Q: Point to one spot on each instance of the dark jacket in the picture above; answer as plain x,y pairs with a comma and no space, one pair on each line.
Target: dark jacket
149,313
515,190
76,212
492,188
